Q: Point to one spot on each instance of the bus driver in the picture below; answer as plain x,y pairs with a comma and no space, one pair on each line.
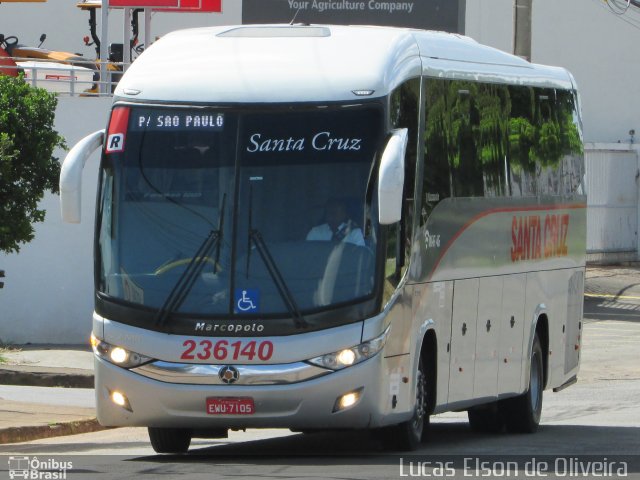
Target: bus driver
338,227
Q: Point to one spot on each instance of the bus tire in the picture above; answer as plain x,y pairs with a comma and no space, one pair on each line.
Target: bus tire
170,440
408,435
522,413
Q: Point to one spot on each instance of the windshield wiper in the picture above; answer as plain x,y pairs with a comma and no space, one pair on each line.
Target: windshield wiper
220,233
255,237
188,278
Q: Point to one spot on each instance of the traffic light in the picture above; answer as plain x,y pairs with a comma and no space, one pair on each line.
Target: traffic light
1,276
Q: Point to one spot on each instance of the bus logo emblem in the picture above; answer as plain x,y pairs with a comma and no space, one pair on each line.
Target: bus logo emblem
229,374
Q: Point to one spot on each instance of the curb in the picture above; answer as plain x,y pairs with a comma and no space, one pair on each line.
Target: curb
45,379
26,434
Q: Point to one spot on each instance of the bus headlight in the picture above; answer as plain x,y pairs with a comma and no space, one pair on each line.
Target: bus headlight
117,355
353,355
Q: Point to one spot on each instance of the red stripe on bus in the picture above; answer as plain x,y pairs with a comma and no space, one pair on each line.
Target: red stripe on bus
119,120
486,213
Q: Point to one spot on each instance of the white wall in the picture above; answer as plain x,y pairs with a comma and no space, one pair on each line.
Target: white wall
48,293
598,47
612,189
490,22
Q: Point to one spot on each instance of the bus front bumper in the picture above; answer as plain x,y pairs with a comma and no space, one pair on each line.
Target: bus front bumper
309,404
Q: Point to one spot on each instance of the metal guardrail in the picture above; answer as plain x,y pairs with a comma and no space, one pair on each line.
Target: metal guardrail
76,79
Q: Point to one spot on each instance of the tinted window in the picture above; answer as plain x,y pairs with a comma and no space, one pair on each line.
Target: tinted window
490,140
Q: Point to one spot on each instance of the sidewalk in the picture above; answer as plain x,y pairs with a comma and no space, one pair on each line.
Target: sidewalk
48,366
45,366
72,366
23,422
616,282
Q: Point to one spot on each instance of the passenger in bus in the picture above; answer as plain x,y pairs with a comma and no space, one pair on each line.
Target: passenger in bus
338,226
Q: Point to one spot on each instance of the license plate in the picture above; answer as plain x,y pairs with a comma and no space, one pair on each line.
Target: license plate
230,406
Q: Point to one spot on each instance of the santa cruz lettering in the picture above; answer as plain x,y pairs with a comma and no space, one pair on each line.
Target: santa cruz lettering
224,350
322,141
532,238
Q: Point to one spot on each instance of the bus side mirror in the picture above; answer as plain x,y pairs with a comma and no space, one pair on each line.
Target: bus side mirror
71,176
391,178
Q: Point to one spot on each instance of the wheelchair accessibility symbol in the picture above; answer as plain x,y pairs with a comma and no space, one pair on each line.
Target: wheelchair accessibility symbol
247,300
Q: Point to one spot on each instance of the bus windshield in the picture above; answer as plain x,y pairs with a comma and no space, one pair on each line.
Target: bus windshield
228,213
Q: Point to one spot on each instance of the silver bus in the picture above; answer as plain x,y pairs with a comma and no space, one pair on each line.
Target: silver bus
327,227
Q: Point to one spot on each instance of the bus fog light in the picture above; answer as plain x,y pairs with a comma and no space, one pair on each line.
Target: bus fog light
347,400
120,399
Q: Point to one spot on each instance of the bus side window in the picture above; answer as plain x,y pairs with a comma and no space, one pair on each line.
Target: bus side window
545,142
404,113
437,176
464,160
466,141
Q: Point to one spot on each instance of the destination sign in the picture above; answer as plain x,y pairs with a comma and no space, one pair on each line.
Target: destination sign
165,120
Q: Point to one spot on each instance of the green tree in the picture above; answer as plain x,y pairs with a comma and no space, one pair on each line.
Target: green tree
27,165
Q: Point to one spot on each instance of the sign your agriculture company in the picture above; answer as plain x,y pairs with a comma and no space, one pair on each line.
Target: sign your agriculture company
446,15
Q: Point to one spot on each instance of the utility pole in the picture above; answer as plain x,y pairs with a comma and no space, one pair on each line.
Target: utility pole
522,28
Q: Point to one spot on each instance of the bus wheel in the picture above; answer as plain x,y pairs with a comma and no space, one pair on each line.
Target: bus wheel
522,413
486,418
170,440
409,434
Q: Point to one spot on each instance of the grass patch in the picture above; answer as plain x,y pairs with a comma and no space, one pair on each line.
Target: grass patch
4,349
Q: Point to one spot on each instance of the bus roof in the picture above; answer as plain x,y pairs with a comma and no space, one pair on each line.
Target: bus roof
313,63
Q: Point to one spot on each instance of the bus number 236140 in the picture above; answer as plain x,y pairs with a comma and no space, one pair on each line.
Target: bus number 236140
224,350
